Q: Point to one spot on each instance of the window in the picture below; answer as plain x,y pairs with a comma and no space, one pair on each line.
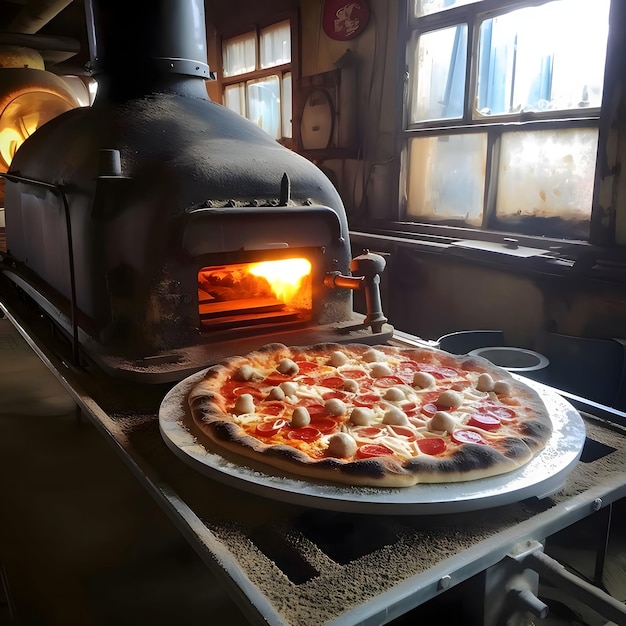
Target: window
257,77
502,113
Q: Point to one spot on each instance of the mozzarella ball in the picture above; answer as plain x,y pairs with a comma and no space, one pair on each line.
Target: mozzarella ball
442,421
276,393
449,399
372,356
351,385
246,373
341,445
334,406
484,382
395,417
337,358
502,388
300,417
288,367
244,404
394,394
380,369
361,416
289,388
423,380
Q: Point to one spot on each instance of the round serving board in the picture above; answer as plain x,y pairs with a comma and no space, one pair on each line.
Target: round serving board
544,475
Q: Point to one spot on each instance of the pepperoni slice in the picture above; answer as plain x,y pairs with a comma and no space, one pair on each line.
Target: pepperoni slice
403,431
429,409
267,429
276,378
271,408
484,421
339,395
502,413
409,408
315,409
324,424
431,445
387,381
332,382
467,436
306,433
366,399
438,371
370,450
255,392
460,385
370,431
355,374
305,367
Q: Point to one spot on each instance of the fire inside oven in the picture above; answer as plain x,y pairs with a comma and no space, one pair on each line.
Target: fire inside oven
249,294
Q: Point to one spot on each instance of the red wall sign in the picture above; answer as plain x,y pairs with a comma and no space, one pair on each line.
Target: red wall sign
345,20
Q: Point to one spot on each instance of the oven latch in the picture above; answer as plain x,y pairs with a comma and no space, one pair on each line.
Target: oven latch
366,270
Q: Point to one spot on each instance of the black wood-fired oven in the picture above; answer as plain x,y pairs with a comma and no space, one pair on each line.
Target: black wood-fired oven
151,223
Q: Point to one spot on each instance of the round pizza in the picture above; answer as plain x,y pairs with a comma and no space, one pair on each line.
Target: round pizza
381,416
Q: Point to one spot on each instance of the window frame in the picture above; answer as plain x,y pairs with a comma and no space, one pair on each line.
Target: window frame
495,125
260,73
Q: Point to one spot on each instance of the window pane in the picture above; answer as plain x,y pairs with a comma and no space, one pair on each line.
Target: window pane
235,98
264,104
239,55
426,7
447,177
286,112
439,65
549,57
547,173
275,45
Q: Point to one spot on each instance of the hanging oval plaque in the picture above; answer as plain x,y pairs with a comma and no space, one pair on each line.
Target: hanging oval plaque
345,20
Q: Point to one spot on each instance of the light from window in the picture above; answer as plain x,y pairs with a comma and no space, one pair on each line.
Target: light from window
440,60
528,64
275,45
448,180
251,87
239,55
547,174
426,7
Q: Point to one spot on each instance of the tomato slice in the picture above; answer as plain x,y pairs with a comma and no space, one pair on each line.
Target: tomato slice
370,450
332,382
267,429
467,436
429,409
431,445
324,424
306,433
366,399
484,421
387,381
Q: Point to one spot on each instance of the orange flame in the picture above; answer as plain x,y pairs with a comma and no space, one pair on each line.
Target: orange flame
284,276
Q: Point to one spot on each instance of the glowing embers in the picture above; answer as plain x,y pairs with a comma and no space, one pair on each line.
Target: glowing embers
250,294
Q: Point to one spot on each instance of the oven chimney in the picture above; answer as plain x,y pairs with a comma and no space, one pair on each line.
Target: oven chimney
157,47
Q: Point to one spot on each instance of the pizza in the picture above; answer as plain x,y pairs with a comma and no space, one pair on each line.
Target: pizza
378,416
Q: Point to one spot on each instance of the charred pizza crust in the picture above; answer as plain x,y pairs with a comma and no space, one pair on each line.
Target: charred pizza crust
514,445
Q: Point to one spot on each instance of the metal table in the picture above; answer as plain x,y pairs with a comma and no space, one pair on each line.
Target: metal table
286,563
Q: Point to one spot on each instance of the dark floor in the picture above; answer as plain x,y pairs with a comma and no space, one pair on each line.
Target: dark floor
81,542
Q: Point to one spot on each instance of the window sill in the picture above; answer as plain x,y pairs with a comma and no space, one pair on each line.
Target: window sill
570,259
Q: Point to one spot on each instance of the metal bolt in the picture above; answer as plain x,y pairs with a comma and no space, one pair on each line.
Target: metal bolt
444,582
597,504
